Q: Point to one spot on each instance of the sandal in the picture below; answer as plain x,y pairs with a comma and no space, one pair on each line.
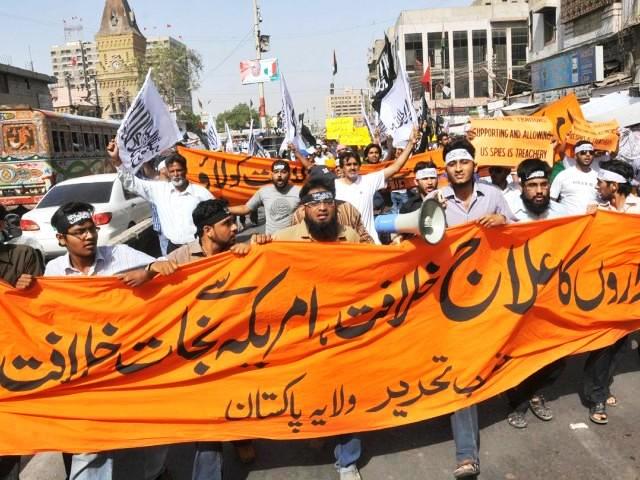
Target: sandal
598,414
612,401
517,420
540,409
467,469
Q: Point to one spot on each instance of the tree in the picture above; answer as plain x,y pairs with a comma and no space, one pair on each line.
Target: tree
175,71
238,117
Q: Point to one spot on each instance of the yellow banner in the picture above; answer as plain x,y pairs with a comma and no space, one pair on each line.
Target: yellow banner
603,135
280,345
337,127
507,141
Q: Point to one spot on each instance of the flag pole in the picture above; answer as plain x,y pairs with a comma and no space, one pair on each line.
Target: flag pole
256,29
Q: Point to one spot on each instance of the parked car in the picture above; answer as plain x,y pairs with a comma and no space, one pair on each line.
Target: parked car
115,210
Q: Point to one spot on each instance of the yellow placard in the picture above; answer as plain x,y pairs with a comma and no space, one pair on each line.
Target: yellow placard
507,141
359,136
603,135
336,127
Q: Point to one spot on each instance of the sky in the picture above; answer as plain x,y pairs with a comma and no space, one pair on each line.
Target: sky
303,37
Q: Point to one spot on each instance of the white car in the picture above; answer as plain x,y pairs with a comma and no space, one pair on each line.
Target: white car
115,210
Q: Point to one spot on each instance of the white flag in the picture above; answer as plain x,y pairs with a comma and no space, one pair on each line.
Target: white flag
396,110
289,120
212,134
251,143
229,145
147,128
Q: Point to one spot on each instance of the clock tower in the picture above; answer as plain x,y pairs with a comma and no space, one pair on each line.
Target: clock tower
121,54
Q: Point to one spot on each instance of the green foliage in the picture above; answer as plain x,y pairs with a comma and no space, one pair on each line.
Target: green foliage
238,117
175,71
192,121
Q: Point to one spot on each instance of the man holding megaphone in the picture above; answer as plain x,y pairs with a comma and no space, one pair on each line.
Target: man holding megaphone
466,200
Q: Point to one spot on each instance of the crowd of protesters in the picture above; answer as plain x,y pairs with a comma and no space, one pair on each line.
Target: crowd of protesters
337,203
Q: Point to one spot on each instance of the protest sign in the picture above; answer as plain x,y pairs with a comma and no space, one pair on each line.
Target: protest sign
562,113
256,347
603,135
339,126
359,136
506,141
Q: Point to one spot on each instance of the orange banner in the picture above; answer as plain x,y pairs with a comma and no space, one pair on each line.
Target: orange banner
281,345
507,141
237,177
562,113
603,135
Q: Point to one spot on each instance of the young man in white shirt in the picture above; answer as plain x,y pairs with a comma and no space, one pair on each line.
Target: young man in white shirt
358,189
77,232
174,200
614,189
574,187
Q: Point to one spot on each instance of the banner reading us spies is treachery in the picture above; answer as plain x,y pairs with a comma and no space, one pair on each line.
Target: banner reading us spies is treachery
280,344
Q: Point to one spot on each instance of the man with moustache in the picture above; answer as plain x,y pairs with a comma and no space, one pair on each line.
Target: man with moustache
173,200
216,231
77,232
466,201
426,179
533,204
280,199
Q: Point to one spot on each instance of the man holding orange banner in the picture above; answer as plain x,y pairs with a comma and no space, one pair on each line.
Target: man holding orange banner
466,201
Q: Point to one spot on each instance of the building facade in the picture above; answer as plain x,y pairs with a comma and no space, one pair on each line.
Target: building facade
24,87
346,104
74,66
583,46
475,53
178,95
121,58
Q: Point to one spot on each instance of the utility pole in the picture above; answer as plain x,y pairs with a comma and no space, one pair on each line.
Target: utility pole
256,30
67,79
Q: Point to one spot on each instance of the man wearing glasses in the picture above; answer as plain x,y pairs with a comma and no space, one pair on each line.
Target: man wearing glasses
77,232
575,187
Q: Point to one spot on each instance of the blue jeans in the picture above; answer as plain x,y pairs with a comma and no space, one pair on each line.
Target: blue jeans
92,466
164,243
398,197
347,451
207,464
466,436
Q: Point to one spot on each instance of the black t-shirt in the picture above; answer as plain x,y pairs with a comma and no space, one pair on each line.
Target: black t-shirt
16,260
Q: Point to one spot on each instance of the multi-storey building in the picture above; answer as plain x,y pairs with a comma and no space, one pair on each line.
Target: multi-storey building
74,66
346,104
24,87
475,53
583,46
178,95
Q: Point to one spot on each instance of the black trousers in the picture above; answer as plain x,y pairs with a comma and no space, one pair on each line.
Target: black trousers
599,370
9,467
519,396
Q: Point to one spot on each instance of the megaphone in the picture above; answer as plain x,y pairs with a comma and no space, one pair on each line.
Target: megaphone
428,221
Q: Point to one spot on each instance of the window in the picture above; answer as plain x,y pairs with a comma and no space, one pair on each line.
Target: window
480,74
549,24
438,50
95,192
4,83
27,83
96,142
461,64
55,141
519,42
499,43
76,142
413,51
62,136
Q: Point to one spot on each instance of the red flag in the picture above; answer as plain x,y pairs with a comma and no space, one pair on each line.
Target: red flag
426,78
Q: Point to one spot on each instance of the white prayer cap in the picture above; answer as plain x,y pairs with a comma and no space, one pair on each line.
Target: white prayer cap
162,165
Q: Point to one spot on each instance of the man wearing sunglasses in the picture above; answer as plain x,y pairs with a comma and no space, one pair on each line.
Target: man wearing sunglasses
575,187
